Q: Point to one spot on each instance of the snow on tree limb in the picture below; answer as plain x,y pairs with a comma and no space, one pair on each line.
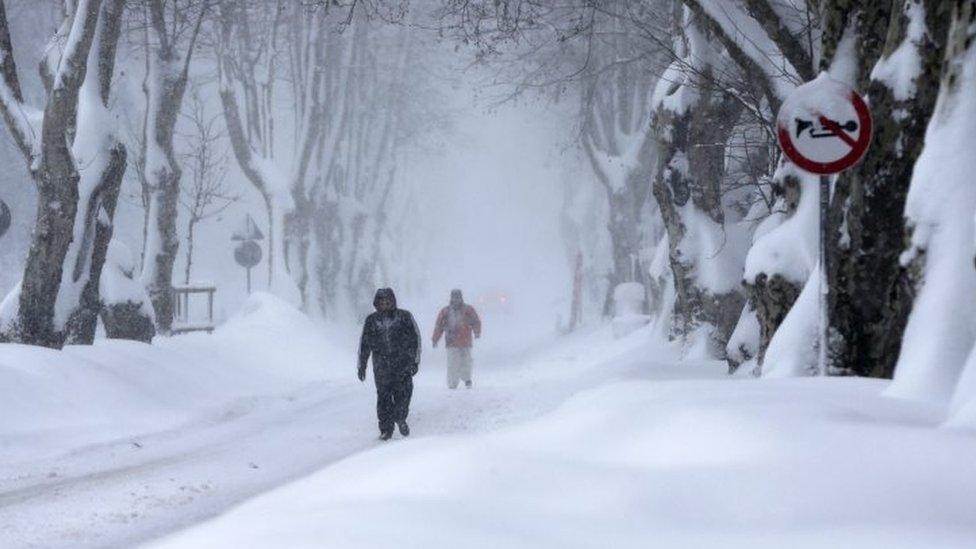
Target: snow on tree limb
750,46
786,39
22,120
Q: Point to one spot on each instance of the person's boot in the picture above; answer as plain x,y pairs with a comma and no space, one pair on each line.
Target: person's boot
404,428
386,435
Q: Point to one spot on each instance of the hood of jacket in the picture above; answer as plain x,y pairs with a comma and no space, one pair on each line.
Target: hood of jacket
457,299
384,293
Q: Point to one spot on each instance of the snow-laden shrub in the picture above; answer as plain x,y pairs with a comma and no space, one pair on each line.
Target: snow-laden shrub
127,312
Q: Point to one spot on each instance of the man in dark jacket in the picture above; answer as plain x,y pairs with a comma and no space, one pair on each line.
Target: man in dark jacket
391,336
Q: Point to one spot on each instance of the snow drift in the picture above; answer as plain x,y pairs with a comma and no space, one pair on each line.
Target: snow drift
52,401
638,463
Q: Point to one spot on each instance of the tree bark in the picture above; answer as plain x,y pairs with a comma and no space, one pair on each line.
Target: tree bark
189,250
42,309
164,97
690,176
868,306
98,212
937,358
773,295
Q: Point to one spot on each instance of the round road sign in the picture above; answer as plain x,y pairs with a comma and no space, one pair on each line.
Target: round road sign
247,254
824,126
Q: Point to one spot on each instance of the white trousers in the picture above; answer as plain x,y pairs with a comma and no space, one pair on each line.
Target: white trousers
458,366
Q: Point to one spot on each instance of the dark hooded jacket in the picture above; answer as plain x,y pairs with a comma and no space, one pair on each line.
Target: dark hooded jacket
393,340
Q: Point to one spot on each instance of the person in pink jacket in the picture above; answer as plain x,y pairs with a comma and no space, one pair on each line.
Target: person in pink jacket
458,322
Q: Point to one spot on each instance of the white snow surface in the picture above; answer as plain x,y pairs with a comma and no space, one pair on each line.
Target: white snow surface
107,444
574,441
647,457
94,394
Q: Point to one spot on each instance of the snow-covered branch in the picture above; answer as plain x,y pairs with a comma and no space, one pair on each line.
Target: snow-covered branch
22,120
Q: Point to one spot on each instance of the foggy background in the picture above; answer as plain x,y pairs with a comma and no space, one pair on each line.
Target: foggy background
484,188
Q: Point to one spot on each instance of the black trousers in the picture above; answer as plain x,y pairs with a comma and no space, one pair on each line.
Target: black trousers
393,401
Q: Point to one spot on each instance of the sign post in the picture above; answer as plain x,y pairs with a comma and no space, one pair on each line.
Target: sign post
824,127
824,294
248,252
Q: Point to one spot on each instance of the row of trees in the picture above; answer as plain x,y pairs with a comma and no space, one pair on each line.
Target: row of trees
307,96
678,100
676,117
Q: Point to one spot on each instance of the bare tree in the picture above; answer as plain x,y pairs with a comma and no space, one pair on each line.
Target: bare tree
174,29
249,46
361,173
204,194
617,138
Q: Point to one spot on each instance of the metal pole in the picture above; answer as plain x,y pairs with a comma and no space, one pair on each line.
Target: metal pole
824,270
248,281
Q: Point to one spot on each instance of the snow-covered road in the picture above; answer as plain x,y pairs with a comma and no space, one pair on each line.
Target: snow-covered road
665,461
575,441
134,488
117,493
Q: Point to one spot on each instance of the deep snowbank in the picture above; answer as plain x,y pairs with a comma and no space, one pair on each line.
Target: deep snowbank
53,401
664,463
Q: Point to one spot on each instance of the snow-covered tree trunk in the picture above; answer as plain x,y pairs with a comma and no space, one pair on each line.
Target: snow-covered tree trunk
617,138
898,59
166,86
958,94
101,156
784,253
39,312
939,211
366,149
378,164
311,45
773,52
623,161
356,164
248,51
330,191
694,121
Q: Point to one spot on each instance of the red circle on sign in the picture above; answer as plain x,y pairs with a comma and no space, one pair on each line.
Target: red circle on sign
857,151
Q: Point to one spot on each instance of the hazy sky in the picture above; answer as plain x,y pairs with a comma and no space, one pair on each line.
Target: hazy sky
494,196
